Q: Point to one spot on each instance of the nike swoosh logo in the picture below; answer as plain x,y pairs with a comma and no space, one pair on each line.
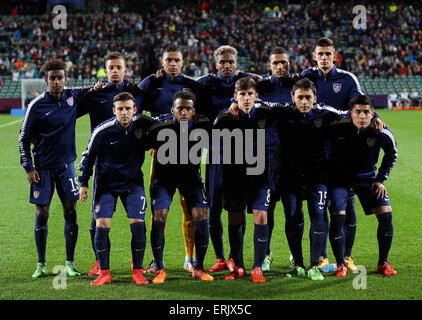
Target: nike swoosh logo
114,142
49,112
103,101
260,240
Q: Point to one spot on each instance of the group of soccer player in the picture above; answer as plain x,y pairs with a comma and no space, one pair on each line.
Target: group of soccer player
322,143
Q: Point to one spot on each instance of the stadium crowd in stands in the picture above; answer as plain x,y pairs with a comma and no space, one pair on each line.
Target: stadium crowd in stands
390,46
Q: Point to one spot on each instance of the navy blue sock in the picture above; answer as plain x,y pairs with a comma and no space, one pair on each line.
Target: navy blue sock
92,229
270,223
235,240
102,246
326,230
384,235
216,233
70,234
350,226
201,242
157,242
337,237
138,244
316,233
294,232
41,231
260,240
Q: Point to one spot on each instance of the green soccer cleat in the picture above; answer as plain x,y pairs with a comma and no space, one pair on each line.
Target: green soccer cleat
267,262
315,274
71,269
41,270
291,260
297,271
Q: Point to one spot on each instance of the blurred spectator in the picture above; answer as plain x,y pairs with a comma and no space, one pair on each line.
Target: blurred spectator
392,99
415,98
404,98
1,83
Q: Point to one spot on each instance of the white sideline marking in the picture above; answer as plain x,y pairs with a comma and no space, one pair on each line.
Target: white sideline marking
10,123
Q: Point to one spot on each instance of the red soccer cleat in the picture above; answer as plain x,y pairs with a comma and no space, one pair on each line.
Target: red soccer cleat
230,264
219,265
138,276
236,274
341,271
103,278
95,270
386,269
257,275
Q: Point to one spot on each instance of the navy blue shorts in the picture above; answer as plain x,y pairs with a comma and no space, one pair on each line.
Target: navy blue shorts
245,193
338,196
191,188
134,202
315,195
63,179
214,187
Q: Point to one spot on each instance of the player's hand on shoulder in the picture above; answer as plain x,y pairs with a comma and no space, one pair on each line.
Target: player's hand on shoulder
296,77
378,124
256,76
160,73
99,85
378,189
33,176
233,110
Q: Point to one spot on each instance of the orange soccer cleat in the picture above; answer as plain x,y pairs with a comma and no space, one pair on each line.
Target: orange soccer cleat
160,276
202,275
230,264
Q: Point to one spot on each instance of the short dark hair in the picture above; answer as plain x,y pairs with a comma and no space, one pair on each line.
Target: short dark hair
304,83
362,99
123,96
244,83
55,64
325,42
278,50
184,94
172,48
114,55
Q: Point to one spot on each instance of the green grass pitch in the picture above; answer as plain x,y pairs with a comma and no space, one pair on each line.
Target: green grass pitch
18,253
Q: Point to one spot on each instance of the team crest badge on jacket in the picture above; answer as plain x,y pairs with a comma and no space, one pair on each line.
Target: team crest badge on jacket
70,101
370,142
138,134
336,87
318,123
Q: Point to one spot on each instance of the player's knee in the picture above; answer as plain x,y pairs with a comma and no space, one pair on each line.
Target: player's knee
381,210
43,210
199,213
235,218
160,215
103,223
260,217
69,208
338,213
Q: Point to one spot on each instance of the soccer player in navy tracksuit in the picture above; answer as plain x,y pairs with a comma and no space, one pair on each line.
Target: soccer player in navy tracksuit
49,124
175,173
117,148
242,189
355,149
99,106
218,90
277,89
303,170
335,87
159,101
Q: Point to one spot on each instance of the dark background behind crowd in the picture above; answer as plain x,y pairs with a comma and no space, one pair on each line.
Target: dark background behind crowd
390,46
